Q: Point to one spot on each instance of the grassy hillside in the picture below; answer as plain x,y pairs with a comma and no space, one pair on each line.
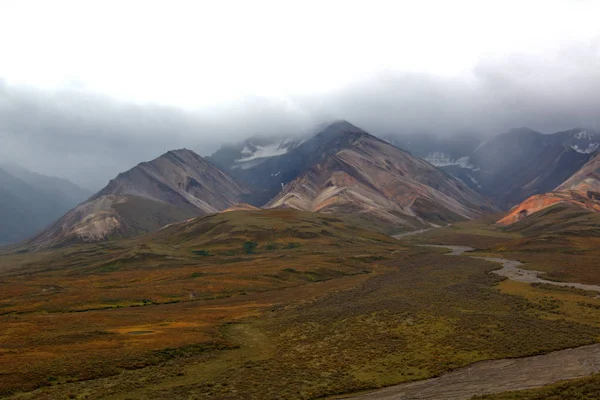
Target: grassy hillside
561,219
268,304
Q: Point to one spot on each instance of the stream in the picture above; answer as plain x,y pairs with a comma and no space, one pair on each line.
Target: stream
510,269
496,376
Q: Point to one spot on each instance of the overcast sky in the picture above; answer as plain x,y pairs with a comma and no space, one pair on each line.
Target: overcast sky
90,88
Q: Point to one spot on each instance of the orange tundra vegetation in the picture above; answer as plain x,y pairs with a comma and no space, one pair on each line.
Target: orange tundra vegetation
89,311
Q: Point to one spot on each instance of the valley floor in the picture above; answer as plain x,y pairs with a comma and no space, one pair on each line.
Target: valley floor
308,320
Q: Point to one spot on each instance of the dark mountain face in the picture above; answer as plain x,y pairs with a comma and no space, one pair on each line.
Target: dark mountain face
514,165
522,162
30,201
580,191
175,186
440,151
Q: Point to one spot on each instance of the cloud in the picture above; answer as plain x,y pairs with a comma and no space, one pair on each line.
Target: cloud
546,92
89,138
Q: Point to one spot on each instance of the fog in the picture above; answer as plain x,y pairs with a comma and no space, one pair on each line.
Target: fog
83,102
89,138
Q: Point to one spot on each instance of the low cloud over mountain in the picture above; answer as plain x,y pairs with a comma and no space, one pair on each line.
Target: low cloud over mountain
88,137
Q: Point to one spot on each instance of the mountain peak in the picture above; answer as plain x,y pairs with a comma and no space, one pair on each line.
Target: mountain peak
182,151
341,126
185,155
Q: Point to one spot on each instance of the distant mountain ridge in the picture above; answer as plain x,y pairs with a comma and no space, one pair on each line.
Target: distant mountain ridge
581,190
441,151
510,167
61,188
30,201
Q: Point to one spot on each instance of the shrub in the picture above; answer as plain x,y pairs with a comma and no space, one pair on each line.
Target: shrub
202,252
250,247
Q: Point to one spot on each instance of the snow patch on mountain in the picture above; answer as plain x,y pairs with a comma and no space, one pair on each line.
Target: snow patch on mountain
253,152
592,147
440,159
584,135
270,150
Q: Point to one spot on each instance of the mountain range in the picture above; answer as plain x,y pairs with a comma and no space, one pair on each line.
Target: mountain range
340,169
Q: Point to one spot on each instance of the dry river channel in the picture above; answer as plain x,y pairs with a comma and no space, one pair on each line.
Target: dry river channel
496,376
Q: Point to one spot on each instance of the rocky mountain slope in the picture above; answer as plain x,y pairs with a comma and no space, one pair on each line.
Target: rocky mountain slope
30,201
175,186
355,172
581,190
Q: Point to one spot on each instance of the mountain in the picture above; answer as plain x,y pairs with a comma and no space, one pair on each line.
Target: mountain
581,190
586,180
522,162
173,187
353,172
30,201
512,166
268,177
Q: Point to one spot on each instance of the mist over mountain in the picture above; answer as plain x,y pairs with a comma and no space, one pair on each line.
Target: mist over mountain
55,131
30,201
